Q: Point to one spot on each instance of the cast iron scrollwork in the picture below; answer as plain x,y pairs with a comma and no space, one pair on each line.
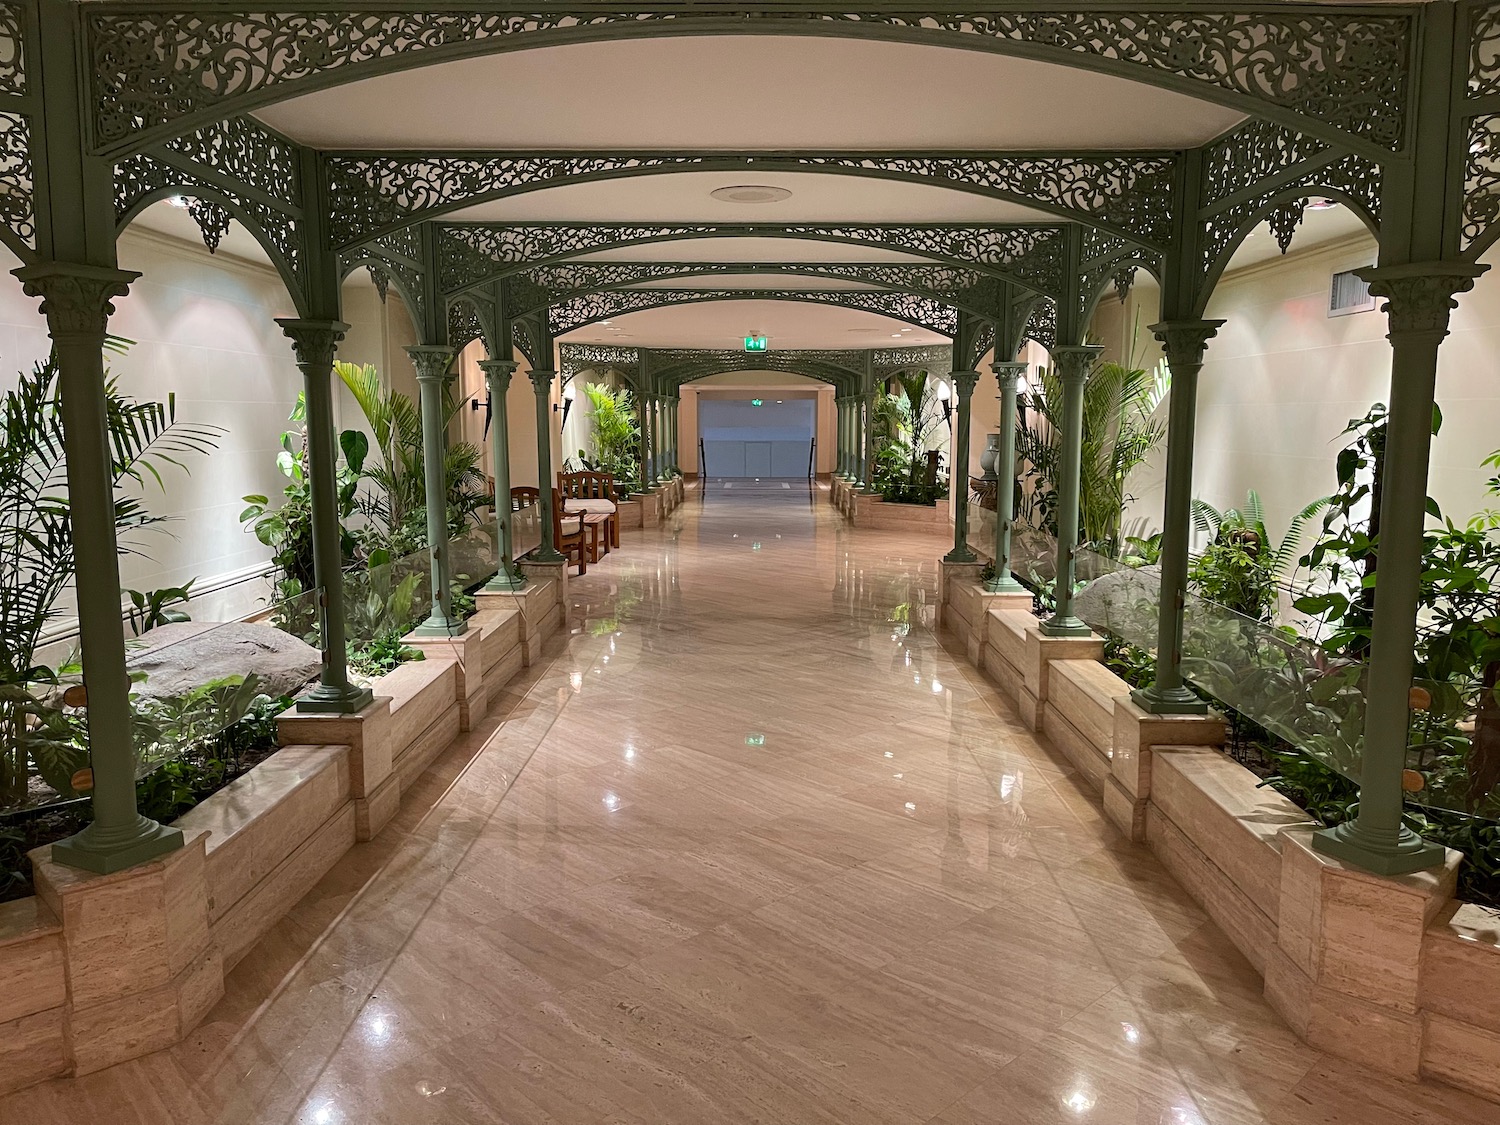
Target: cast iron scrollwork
590,308
366,193
17,178
12,48
1481,211
1041,325
154,65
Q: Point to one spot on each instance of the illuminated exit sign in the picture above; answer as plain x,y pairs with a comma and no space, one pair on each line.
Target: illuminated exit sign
757,402
757,343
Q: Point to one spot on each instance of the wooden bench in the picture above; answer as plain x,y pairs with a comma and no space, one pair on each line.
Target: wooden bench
594,494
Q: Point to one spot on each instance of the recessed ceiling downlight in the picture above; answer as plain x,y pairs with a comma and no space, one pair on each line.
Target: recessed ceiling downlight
751,193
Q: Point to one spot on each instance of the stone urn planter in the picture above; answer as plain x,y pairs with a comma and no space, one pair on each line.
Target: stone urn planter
990,457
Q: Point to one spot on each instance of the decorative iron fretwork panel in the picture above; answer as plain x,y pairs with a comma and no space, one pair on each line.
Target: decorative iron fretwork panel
248,153
1105,259
936,357
398,256
159,63
1253,153
1041,325
1354,176
1484,52
367,193
967,289
983,340
1481,210
471,254
590,308
12,48
464,326
143,175
576,358
17,179
520,337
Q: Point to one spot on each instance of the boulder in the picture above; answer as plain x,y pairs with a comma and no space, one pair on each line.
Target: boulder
179,657
1123,602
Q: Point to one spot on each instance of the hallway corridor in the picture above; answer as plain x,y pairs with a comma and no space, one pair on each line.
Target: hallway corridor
754,847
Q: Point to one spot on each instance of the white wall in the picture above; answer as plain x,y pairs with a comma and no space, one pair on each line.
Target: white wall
1282,379
203,329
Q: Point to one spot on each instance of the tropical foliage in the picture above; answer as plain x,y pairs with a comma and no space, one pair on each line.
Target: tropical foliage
1242,565
36,543
616,436
906,426
1120,431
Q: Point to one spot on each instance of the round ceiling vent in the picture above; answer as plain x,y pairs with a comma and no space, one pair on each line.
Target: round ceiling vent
751,193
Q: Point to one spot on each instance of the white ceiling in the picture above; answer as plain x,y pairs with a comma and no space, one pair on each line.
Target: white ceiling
747,92
732,249
725,324
682,197
755,281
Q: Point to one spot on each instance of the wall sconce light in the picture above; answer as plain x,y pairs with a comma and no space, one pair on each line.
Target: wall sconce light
945,396
569,393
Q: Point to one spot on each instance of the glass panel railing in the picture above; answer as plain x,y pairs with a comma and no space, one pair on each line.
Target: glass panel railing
1299,692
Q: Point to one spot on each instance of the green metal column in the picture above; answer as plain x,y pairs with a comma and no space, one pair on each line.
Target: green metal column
672,458
1418,302
434,364
841,427
508,576
314,342
1184,343
1074,363
1008,374
867,441
643,401
76,300
541,381
958,473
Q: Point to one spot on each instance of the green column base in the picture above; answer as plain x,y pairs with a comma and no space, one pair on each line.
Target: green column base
1004,583
507,581
546,554
960,554
1168,701
1056,626
1366,850
325,699
439,626
92,850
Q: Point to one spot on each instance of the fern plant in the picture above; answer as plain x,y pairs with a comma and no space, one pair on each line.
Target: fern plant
1242,565
36,538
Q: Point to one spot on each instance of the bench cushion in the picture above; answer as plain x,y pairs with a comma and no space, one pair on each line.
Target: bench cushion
572,506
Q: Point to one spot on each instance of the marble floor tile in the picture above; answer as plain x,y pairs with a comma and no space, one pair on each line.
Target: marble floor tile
748,845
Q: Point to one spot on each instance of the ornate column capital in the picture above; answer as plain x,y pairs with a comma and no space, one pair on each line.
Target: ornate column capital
314,341
498,372
541,379
1184,341
1009,373
964,383
1075,361
1420,296
434,362
77,300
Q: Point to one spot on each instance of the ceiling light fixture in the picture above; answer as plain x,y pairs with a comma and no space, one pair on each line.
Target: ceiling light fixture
178,201
1321,204
750,193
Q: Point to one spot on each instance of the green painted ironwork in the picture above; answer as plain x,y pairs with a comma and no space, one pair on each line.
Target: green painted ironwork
964,383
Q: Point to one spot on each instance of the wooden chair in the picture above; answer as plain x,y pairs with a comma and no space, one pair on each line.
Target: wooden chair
523,496
591,490
573,542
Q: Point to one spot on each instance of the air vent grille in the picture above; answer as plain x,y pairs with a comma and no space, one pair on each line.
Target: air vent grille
1348,294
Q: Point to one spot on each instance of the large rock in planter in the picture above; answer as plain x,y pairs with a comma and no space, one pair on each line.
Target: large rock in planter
1123,602
180,657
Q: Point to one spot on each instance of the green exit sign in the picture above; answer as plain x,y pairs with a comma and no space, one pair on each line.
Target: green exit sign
757,402
757,343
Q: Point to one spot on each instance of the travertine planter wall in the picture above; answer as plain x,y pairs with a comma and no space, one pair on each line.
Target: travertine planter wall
1391,973
867,510
95,970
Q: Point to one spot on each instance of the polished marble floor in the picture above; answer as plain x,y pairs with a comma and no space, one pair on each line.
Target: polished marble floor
752,848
